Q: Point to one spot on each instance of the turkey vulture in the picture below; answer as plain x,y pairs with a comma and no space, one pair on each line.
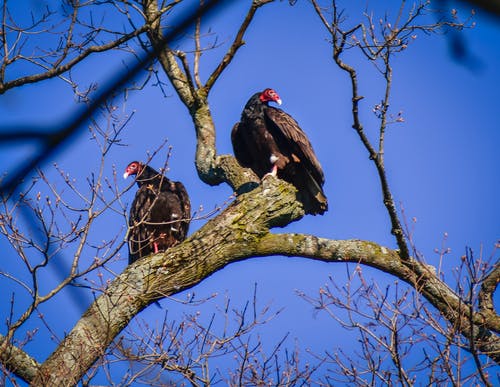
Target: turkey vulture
270,141
159,215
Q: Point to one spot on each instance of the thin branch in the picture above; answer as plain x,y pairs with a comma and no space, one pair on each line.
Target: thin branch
75,123
187,72
237,43
197,52
60,69
339,39
322,17
384,107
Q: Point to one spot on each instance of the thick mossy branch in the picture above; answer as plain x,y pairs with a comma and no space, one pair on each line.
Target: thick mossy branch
17,361
229,237
488,287
476,326
240,232
215,169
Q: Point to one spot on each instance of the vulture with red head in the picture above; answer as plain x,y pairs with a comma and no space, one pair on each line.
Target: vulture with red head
270,141
159,215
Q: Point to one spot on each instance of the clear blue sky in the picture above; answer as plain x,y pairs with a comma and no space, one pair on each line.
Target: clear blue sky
442,162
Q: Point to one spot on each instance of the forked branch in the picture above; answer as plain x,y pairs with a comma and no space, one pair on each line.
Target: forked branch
379,47
213,169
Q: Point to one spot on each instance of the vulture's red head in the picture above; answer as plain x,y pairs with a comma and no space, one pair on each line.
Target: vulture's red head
134,168
269,95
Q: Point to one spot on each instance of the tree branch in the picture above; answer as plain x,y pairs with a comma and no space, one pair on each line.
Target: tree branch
230,237
488,287
165,55
339,40
237,43
211,168
396,229
240,232
18,361
61,69
411,271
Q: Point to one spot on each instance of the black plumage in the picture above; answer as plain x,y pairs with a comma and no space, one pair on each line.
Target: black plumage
160,213
268,140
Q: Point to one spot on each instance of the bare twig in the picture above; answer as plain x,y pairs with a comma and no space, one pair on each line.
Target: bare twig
237,43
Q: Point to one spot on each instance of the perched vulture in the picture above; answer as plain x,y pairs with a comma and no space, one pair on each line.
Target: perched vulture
270,141
160,212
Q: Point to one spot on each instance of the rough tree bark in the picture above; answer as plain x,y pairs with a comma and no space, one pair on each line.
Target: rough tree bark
241,231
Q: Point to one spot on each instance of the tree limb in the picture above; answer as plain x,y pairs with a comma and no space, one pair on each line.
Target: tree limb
472,325
239,233
62,68
18,361
230,237
212,169
488,287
